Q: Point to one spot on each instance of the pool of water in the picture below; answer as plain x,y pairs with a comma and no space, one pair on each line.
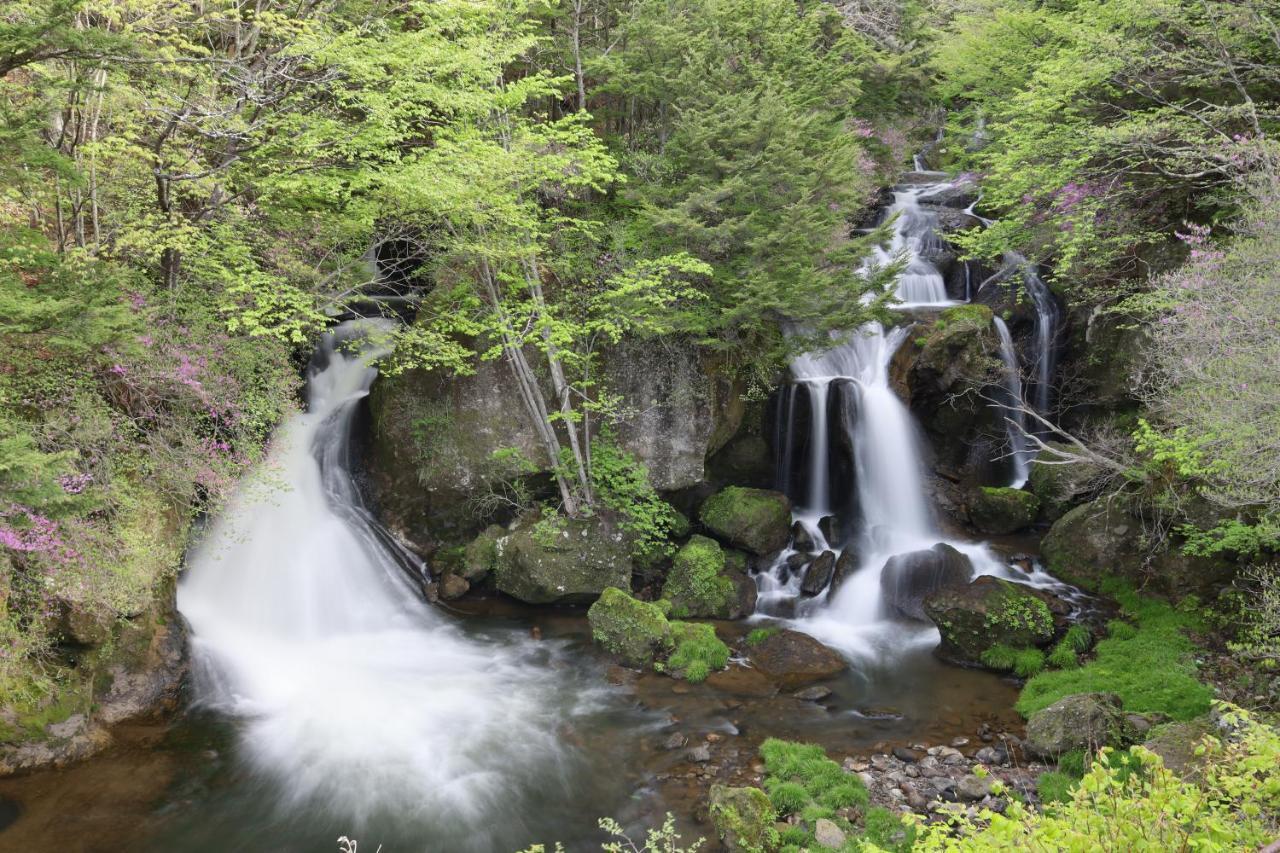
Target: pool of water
186,784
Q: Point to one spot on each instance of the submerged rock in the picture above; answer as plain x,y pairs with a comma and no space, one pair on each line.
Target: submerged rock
452,586
743,818
819,574
1080,721
988,612
909,579
792,659
758,520
1002,510
562,560
703,584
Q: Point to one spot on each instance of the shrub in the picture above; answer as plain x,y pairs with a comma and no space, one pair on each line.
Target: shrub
1023,662
1062,657
1055,787
759,635
698,652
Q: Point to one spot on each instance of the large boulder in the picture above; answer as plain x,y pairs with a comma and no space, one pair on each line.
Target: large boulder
758,520
439,441
1104,538
743,818
636,632
792,659
907,580
480,557
1060,486
998,510
562,560
954,365
988,612
819,574
1080,721
704,583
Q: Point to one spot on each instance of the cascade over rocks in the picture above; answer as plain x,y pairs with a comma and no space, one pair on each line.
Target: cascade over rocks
819,574
908,580
572,561
988,612
999,510
758,520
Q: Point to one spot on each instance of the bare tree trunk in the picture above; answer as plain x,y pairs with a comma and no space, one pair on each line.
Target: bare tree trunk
577,55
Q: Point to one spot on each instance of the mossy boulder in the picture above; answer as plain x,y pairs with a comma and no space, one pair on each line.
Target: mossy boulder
953,366
480,557
635,631
703,583
758,520
744,819
1103,538
639,634
562,560
1062,486
999,510
985,613
1086,721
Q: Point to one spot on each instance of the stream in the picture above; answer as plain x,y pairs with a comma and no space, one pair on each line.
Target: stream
328,699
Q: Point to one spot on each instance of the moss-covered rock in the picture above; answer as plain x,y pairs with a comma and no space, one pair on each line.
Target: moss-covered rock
999,510
1062,487
986,613
703,584
1086,721
1104,539
562,560
743,818
758,520
637,632
481,554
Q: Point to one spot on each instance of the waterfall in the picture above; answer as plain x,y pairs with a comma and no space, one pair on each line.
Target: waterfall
1046,308
352,696
1017,419
915,238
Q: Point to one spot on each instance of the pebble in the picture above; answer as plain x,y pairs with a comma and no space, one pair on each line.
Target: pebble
813,694
959,742
700,753
828,835
675,741
908,755
973,787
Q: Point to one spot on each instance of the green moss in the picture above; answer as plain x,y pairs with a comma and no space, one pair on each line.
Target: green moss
1003,510
1019,611
1149,664
970,315
803,782
696,584
744,818
1078,638
1024,662
636,631
1063,657
887,831
756,519
1054,787
759,635
698,651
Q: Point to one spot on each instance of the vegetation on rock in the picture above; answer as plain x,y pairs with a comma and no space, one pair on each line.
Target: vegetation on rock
758,520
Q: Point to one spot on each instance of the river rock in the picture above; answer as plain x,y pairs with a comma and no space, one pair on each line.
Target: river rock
828,835
796,563
1102,538
813,694
564,561
829,526
999,510
702,584
451,587
974,788
792,659
758,520
743,818
1079,721
481,554
846,565
802,539
987,612
908,579
819,574
634,631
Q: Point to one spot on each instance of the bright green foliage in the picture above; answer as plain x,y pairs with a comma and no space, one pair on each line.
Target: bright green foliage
1018,611
886,831
622,484
1094,153
1055,787
1150,666
698,651
1024,662
696,584
636,631
1137,804
1078,638
759,635
1062,656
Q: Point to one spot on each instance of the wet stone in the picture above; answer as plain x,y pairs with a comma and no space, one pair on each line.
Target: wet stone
902,753
675,741
700,753
813,694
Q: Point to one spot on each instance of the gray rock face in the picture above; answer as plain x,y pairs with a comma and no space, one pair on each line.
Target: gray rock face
1079,721
846,565
573,564
908,579
819,574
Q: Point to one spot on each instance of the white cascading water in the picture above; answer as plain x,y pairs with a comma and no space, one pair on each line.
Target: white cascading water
915,238
353,696
1016,419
